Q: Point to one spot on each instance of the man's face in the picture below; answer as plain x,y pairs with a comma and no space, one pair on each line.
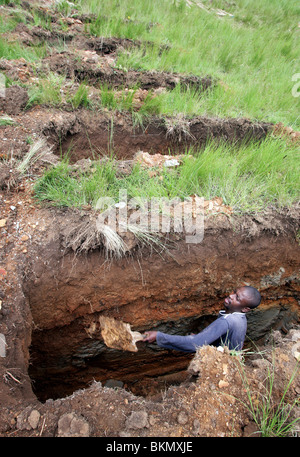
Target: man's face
237,301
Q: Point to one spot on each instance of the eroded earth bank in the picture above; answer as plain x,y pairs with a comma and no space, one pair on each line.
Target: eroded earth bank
57,377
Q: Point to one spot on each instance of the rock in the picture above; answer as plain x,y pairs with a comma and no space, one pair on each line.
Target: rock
2,273
262,364
28,419
277,337
112,383
34,418
296,351
2,345
197,427
295,335
2,222
70,425
223,383
182,418
118,335
137,420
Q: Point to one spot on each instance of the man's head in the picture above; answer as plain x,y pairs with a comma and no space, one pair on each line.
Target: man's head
242,299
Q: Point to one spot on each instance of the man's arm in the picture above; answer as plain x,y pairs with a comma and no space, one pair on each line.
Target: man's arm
190,343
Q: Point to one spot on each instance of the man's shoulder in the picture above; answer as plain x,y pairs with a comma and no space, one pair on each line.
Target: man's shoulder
232,317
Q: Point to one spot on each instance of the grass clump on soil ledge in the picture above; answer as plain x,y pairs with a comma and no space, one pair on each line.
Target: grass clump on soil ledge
247,178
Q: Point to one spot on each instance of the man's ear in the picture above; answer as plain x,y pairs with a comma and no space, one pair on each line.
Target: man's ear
246,309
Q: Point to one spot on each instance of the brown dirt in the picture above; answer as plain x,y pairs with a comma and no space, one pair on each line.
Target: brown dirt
51,298
83,134
54,367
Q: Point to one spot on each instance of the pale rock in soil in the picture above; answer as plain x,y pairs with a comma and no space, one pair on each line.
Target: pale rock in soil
70,425
34,418
2,345
137,420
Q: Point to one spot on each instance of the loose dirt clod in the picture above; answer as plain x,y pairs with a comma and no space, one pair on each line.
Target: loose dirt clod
118,335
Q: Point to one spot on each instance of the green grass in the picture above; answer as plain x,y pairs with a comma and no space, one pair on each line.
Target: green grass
181,100
273,418
248,178
47,91
254,54
14,50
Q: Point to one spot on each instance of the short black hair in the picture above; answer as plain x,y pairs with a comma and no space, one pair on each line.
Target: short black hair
254,296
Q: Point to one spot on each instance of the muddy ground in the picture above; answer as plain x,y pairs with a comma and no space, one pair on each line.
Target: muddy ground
57,378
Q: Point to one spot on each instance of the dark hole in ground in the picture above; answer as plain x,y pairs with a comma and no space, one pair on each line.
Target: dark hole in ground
117,141
57,372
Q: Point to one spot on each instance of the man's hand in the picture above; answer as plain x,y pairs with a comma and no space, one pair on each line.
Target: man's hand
150,337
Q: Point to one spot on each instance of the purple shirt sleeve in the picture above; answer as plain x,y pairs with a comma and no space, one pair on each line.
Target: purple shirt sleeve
189,343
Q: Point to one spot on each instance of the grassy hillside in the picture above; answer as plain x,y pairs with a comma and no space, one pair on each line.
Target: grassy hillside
249,48
253,51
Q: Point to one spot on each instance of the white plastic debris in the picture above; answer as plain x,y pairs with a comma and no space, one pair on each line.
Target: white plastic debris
2,345
120,205
171,163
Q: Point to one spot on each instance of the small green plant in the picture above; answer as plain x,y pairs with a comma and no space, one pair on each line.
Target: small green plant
81,97
7,2
6,120
65,7
15,50
273,418
41,19
48,91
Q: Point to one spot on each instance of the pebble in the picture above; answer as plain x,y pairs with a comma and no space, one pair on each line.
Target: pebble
182,418
71,425
34,418
113,383
2,222
223,383
137,420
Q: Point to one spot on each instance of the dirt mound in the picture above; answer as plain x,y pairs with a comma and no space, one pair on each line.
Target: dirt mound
214,402
15,100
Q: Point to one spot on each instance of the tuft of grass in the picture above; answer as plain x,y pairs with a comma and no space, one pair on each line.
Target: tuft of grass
38,151
6,120
273,418
48,91
81,97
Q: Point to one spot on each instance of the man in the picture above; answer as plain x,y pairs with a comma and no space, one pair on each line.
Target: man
228,329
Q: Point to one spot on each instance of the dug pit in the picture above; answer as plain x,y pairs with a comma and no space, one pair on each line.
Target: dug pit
87,135
178,291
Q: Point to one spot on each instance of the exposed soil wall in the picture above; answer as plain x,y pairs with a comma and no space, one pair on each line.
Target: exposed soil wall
179,290
57,377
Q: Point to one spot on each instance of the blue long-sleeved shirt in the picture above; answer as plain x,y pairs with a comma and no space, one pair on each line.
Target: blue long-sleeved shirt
229,329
